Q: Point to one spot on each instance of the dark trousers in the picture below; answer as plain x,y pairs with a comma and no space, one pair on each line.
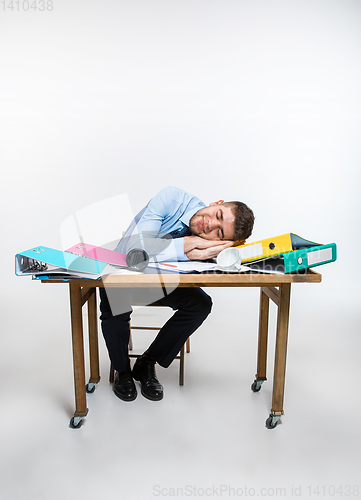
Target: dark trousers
192,306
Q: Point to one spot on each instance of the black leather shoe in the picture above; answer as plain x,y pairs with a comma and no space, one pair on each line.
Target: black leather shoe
124,386
145,374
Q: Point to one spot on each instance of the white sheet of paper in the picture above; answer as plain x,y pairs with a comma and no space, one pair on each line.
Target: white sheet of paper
187,266
193,266
118,270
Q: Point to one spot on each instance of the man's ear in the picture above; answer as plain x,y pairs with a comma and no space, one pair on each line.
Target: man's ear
219,202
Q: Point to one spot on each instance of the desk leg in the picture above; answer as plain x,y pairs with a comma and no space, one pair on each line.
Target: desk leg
280,356
262,342
78,356
93,342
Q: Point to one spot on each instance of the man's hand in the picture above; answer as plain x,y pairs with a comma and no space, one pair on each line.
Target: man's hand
197,248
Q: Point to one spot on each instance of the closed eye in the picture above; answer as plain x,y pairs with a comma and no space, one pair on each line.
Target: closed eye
220,218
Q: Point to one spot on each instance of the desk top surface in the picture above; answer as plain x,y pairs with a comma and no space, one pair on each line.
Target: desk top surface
196,280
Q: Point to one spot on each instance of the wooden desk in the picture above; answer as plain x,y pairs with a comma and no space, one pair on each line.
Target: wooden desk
274,287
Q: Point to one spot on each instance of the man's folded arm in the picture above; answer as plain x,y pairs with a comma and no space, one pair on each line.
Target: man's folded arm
197,248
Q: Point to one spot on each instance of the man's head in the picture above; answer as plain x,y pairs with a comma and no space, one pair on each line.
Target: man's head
231,220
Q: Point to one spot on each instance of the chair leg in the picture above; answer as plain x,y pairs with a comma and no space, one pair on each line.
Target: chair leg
188,344
111,374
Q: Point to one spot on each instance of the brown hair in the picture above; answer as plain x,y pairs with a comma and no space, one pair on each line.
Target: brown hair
244,220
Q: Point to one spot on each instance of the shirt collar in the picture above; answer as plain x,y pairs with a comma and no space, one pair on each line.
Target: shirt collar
186,217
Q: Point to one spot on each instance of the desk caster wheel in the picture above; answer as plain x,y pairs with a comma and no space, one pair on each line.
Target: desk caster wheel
90,388
272,422
75,423
256,386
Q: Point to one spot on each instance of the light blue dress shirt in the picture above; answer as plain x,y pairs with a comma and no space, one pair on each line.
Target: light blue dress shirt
168,211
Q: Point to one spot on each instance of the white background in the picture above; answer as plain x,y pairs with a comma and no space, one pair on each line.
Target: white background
251,100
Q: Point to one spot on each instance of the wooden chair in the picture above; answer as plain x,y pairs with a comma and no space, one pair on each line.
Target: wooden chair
186,348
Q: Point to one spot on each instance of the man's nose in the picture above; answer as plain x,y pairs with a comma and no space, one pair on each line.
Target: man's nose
214,224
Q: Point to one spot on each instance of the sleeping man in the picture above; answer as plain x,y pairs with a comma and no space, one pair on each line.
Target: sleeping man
198,232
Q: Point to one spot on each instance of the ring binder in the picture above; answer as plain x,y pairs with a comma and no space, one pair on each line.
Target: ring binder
297,260
276,245
52,261
76,264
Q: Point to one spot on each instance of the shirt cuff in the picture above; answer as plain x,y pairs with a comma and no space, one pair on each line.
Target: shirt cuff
173,253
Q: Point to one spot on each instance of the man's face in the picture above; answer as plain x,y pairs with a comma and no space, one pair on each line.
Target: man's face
215,222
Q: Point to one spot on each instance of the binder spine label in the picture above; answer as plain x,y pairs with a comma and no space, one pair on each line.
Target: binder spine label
251,251
319,256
